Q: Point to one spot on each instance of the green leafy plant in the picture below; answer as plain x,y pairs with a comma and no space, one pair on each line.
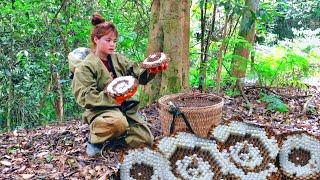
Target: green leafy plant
49,158
274,103
232,92
13,149
279,66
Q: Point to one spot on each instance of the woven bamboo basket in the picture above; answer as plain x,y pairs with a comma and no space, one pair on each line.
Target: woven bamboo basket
202,110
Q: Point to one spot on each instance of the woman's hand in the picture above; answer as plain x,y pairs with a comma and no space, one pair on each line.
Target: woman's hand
154,70
120,99
156,63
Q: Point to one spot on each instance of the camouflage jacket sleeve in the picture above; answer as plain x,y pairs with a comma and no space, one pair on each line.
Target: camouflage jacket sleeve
86,90
133,69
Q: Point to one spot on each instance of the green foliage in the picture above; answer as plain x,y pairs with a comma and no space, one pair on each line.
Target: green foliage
280,66
296,14
274,103
194,77
32,48
194,74
13,149
49,157
232,9
47,112
232,92
290,61
132,24
267,13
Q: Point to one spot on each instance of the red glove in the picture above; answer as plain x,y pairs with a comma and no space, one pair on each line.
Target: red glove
158,69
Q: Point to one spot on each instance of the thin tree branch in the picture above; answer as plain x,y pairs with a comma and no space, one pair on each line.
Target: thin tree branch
209,33
63,3
305,106
240,86
231,33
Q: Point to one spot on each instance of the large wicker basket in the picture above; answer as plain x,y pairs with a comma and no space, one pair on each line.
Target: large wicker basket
201,109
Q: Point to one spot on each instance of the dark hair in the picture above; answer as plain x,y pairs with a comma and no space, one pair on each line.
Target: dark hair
101,27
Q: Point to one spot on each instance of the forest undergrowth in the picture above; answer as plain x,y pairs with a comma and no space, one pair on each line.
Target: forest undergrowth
57,151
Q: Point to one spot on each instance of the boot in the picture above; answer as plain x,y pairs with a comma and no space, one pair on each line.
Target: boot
114,144
93,149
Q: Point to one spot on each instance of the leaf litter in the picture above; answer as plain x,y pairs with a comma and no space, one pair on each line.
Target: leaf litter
57,151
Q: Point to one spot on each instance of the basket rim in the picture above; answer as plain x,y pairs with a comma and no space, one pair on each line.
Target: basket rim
166,106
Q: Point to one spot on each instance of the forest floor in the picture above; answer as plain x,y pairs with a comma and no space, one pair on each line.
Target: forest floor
57,151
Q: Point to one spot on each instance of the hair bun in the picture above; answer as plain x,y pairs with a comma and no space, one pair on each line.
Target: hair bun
97,19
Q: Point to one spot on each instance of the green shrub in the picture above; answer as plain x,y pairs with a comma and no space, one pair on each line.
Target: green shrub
274,103
280,66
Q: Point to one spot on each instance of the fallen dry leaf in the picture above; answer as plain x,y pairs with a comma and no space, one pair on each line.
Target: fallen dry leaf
104,177
27,176
6,163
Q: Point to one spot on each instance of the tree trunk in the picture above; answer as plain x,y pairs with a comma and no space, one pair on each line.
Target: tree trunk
10,102
207,29
155,44
247,31
220,54
185,18
169,32
58,102
203,56
46,92
63,38
10,78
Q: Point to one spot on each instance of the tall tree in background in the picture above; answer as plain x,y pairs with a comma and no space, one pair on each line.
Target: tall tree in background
169,32
241,50
247,32
207,29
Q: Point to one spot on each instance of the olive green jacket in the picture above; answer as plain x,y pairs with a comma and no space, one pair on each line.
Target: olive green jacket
91,77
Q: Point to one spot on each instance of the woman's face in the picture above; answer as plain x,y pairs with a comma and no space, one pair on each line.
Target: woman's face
106,44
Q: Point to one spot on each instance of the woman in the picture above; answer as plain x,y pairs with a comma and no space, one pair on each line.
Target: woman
109,123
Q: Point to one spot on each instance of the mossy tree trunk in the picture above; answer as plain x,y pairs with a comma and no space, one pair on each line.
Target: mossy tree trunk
169,33
247,31
185,17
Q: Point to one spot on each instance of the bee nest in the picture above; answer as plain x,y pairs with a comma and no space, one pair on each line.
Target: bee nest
194,167
250,149
246,154
154,60
121,85
300,156
192,157
145,164
237,151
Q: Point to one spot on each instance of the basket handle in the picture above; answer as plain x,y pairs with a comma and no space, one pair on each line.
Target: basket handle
175,111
